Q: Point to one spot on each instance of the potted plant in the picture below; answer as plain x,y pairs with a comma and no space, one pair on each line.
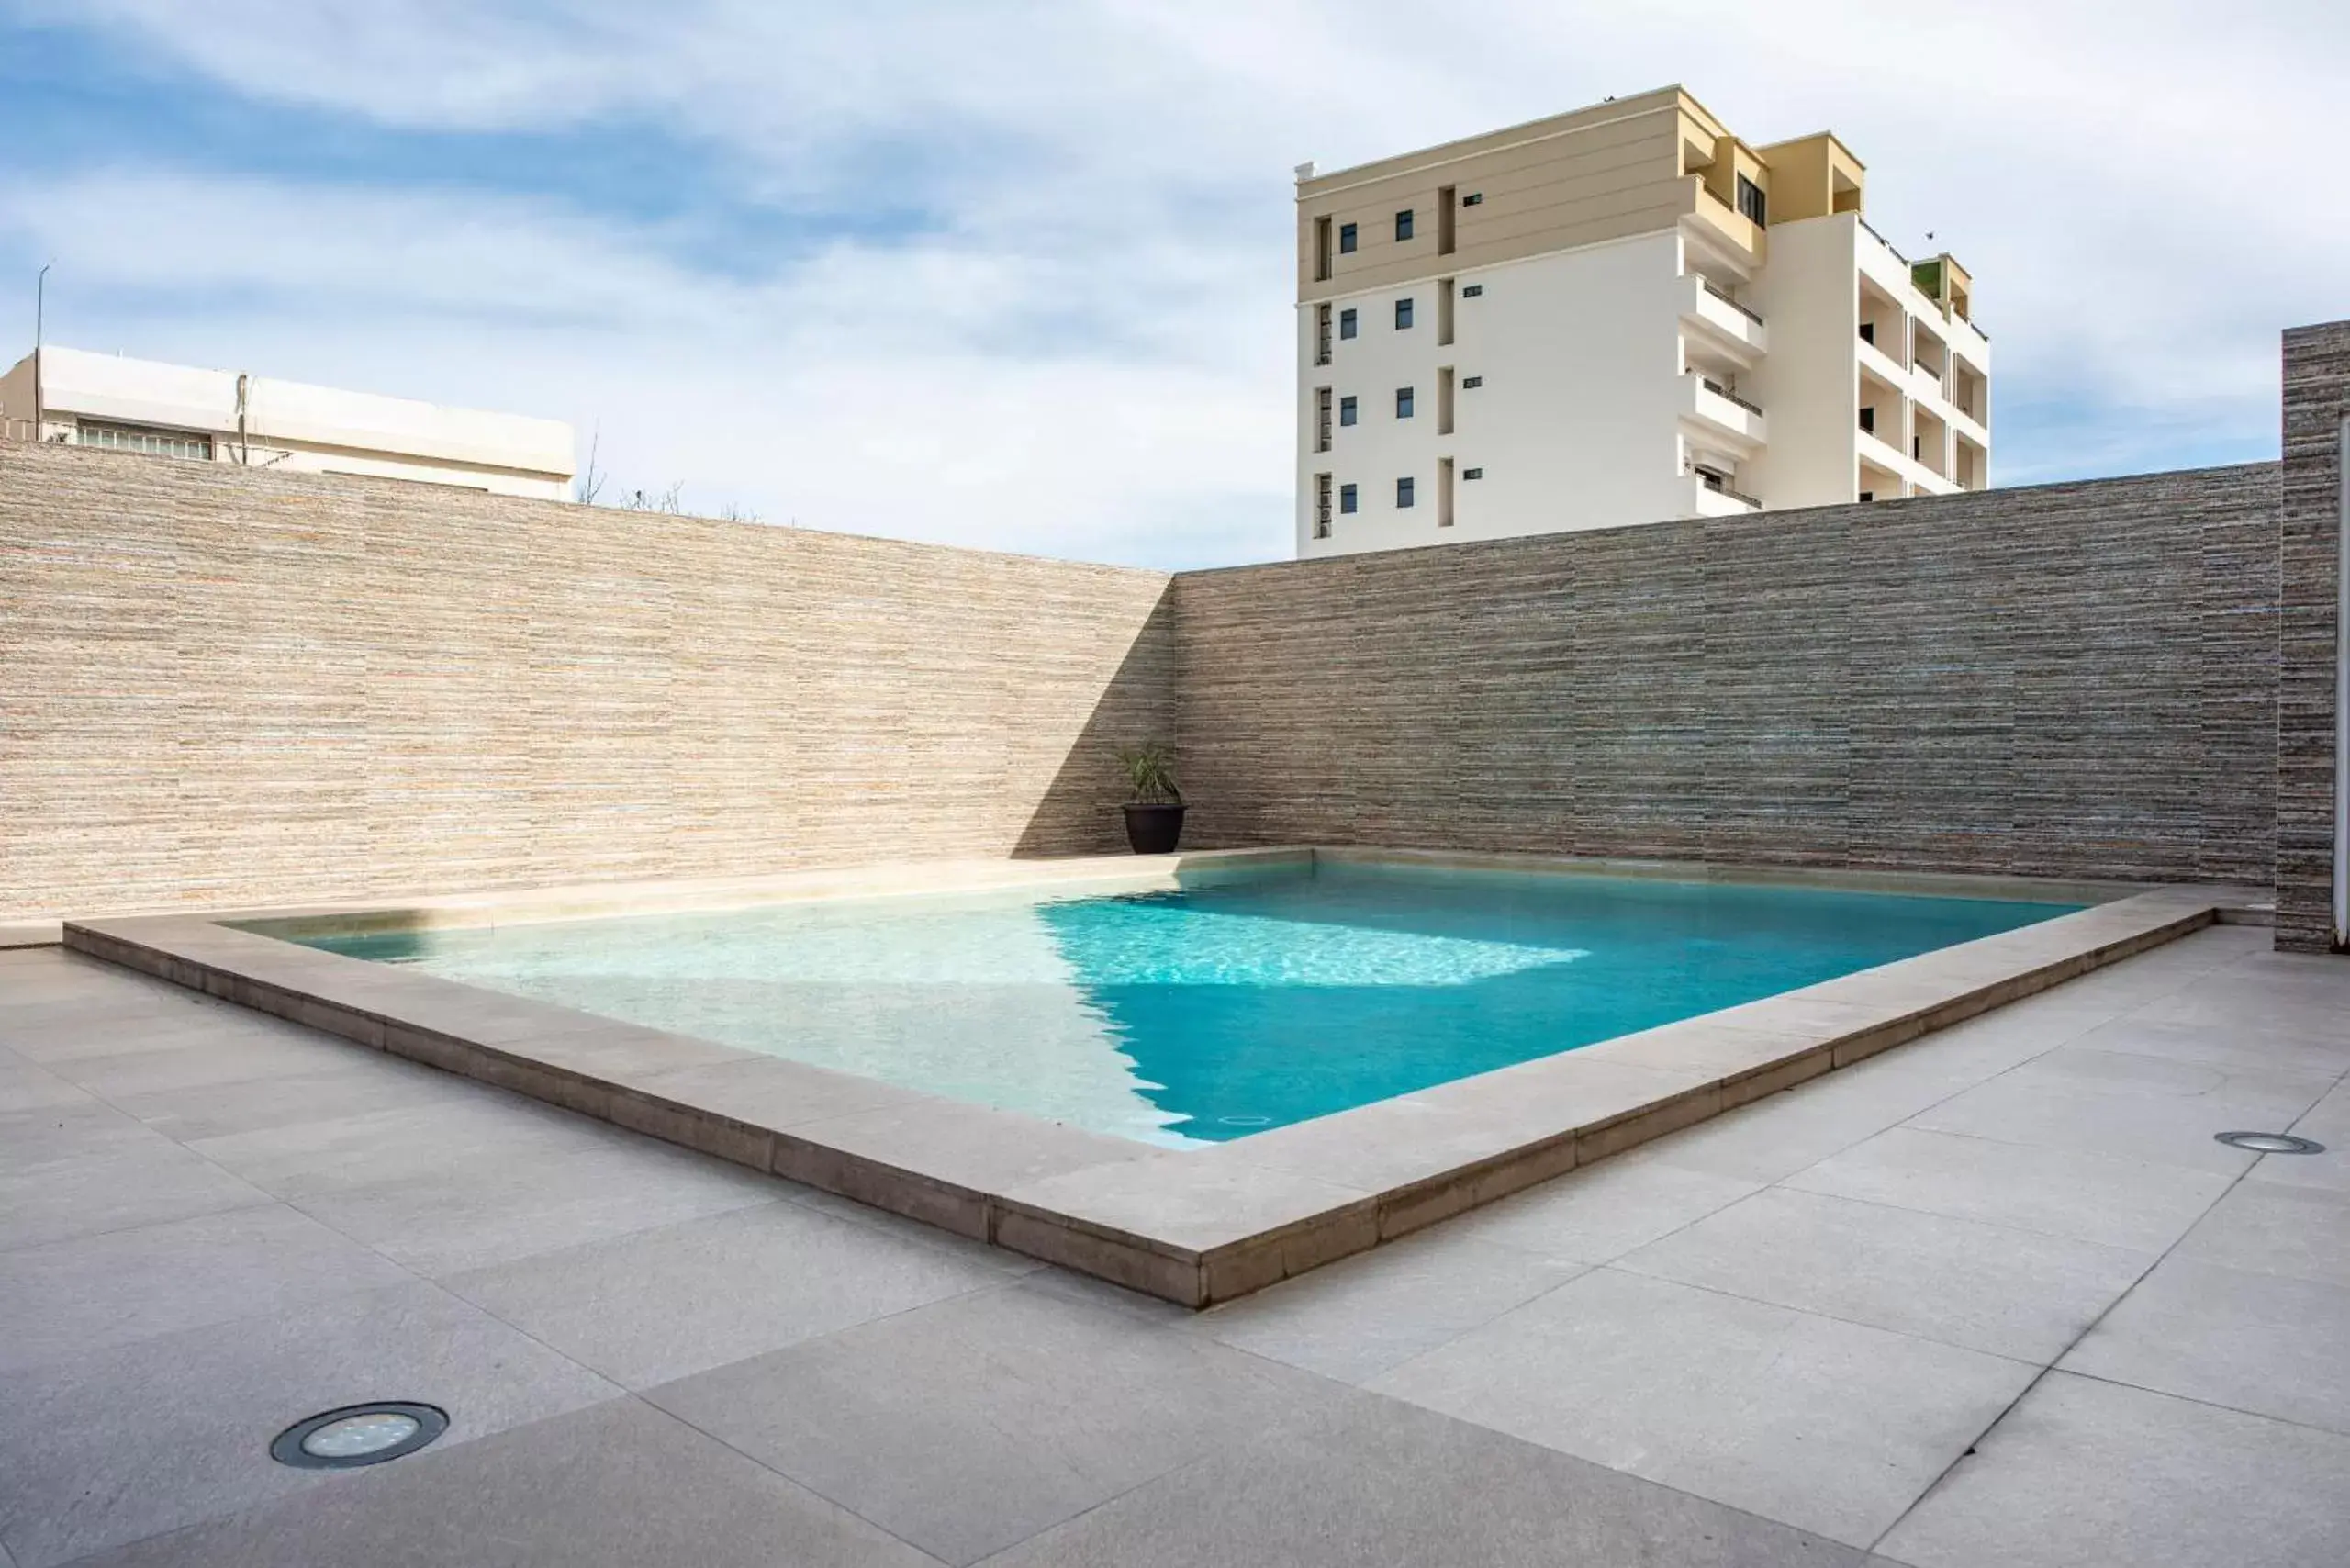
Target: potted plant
1155,811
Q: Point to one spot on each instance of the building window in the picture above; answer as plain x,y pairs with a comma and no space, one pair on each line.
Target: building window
1402,402
1322,335
1404,224
1472,290
1471,383
1321,418
1321,250
1346,239
1751,202
1403,314
145,441
1346,499
1473,473
1345,323
1403,494
1868,494
1868,420
1321,506
1346,410
1474,198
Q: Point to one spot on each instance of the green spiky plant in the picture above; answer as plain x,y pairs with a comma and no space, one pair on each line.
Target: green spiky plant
1150,775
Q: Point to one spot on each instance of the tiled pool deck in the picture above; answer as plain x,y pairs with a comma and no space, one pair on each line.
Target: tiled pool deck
1195,1227
1992,1298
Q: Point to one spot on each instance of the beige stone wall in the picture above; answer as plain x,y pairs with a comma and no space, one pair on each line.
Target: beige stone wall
2071,680
218,687
222,686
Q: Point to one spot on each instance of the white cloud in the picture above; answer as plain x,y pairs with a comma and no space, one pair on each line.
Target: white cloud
1085,350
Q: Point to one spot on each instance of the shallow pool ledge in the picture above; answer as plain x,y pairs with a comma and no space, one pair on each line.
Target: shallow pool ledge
1195,1227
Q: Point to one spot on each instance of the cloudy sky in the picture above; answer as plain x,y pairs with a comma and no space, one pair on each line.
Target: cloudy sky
1019,275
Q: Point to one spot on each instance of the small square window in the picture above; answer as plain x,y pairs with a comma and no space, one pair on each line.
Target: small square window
1473,473
1474,198
1403,314
1471,383
1345,323
1473,290
1403,493
1402,402
1346,498
1404,224
1346,239
1346,410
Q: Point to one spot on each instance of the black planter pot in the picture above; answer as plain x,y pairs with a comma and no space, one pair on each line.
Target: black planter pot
1154,830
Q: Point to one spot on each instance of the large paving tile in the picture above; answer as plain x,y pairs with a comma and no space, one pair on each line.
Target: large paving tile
2088,1197
68,1129
970,1424
2265,1228
1355,1318
1828,1426
230,1057
70,1297
616,1485
484,1212
1774,1138
2247,1042
2053,1111
2328,1123
2082,1472
120,1444
2241,1006
365,1084
114,1187
72,1034
25,1087
1376,1484
1603,1211
483,1129
662,1304
1986,1287
2226,1337
2001,1039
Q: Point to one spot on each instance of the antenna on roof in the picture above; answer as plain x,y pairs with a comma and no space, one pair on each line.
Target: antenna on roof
40,319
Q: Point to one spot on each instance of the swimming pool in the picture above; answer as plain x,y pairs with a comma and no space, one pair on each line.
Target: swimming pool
1241,1001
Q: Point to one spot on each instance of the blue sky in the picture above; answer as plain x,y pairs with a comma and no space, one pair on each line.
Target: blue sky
1018,275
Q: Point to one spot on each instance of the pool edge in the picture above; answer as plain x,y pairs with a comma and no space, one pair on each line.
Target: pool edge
1195,1227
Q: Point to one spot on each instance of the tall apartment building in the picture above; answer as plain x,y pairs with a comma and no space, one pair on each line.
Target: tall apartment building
223,416
1625,314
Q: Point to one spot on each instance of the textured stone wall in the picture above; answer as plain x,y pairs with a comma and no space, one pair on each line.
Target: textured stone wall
2317,401
219,687
223,687
2071,679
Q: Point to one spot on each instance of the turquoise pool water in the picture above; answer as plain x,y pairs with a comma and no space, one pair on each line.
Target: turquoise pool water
1211,1012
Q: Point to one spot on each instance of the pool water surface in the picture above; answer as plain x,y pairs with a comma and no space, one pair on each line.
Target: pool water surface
1250,1000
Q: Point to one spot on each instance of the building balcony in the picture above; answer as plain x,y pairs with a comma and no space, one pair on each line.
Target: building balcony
1881,364
1728,235
1720,415
1728,327
1711,497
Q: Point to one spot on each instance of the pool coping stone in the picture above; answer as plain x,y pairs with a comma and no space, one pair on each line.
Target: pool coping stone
1195,1227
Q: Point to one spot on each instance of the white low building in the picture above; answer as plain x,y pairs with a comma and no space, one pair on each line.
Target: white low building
1621,315
225,416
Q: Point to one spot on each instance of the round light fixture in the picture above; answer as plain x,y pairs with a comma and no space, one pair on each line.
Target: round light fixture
358,1434
2271,1143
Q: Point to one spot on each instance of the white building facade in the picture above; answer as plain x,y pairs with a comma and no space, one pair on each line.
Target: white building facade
1621,315
223,416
